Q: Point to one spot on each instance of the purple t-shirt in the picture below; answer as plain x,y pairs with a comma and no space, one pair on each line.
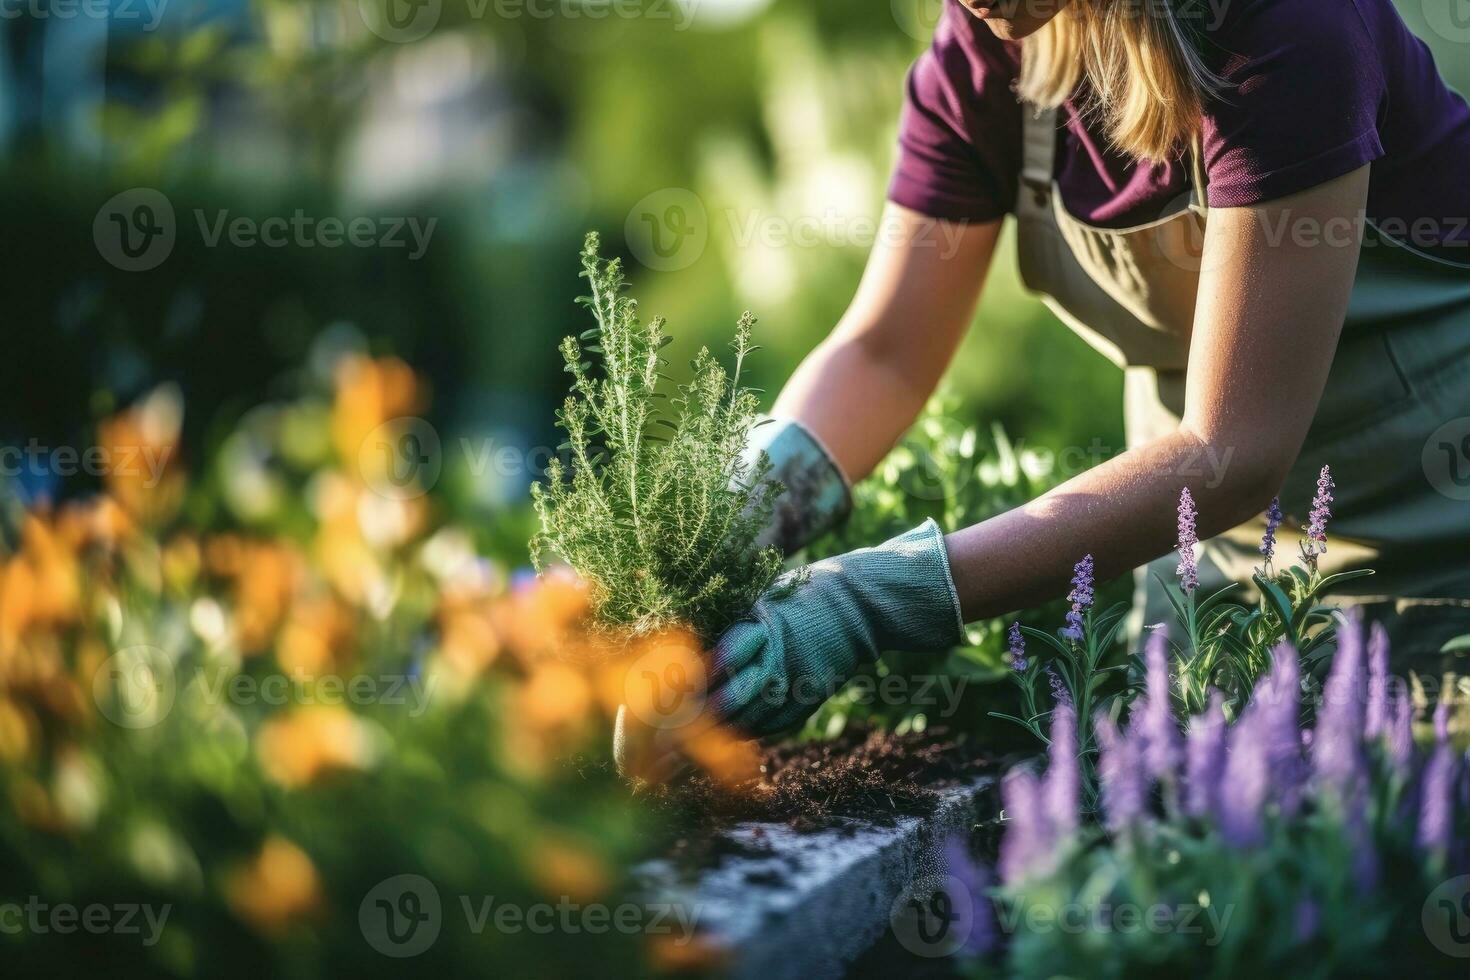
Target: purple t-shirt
1314,89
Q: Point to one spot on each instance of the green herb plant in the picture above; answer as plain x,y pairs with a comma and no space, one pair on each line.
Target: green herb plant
656,510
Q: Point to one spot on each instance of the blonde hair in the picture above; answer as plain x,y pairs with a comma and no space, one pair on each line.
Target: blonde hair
1145,77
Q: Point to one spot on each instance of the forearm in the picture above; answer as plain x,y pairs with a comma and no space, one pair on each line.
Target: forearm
1122,512
863,386
855,401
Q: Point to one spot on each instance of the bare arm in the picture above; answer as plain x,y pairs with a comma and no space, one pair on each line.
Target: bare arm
862,387
1266,327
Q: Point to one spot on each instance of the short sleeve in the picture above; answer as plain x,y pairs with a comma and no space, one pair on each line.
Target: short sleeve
959,143
1299,109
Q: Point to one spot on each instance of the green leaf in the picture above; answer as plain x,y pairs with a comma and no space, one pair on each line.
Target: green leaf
1280,604
1459,644
1049,639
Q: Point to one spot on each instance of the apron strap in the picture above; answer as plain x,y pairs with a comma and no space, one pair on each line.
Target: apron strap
1038,154
1038,161
1197,172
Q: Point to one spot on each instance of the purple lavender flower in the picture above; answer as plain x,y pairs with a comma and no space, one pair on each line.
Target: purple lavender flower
1273,521
1028,846
1162,749
1376,721
1080,597
1205,766
1059,692
1247,780
1278,698
1308,919
1019,662
1120,770
1437,799
1188,540
1316,541
1401,733
1337,751
975,879
1062,789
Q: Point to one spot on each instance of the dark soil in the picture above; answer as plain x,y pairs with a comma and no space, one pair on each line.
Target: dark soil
861,778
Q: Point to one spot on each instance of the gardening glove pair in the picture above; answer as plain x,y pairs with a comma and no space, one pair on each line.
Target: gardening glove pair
801,643
817,496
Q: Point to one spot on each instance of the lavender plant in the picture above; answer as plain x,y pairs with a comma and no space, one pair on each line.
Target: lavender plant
657,513
1225,647
1255,845
1076,672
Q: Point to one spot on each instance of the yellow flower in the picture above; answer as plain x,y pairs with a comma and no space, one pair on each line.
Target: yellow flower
278,888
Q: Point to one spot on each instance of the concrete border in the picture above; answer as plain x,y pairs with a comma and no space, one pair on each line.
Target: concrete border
807,904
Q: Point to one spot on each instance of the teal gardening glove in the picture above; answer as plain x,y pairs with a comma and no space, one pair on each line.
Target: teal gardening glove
772,671
817,495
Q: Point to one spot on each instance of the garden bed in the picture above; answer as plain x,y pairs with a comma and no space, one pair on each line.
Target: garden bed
795,874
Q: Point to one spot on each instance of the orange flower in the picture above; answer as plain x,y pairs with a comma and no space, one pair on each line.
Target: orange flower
139,447
369,393
276,889
675,953
18,731
266,576
730,759
563,866
556,695
300,746
468,642
541,619
317,637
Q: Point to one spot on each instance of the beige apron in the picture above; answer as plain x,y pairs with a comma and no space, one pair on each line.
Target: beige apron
1400,375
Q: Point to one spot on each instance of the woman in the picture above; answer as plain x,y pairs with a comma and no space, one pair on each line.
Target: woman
1257,210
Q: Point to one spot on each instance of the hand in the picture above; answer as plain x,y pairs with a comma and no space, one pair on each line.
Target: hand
817,496
772,671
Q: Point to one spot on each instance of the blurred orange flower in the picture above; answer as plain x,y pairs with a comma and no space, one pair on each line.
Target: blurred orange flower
555,695
139,449
299,746
369,393
317,637
542,618
563,866
276,889
266,575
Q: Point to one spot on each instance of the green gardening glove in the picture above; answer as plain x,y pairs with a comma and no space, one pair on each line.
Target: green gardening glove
772,671
817,496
